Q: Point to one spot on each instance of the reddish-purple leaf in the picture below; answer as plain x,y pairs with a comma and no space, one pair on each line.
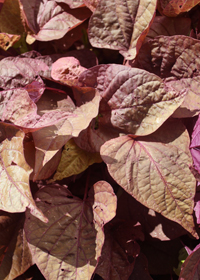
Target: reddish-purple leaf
121,25
49,21
72,240
72,3
195,145
103,201
19,71
119,252
17,106
133,100
140,270
164,158
175,59
74,35
197,207
95,135
169,26
190,269
35,89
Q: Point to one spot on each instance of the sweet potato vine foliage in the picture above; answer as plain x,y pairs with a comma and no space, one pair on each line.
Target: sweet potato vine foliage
99,139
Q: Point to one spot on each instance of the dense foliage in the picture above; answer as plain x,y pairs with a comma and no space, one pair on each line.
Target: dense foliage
99,139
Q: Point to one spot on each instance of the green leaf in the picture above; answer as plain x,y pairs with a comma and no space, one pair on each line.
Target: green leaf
74,160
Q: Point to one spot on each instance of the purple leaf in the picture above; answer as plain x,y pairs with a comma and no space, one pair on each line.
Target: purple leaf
72,240
133,100
195,145
175,59
190,269
121,25
164,158
19,71
49,21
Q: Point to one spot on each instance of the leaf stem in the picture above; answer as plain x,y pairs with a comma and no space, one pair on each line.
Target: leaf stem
87,185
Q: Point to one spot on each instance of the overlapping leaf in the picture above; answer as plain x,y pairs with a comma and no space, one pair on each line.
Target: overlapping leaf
72,240
176,60
91,4
133,100
169,26
173,8
195,144
19,71
17,257
48,20
67,70
11,25
72,3
141,268
155,170
60,125
155,226
14,184
190,269
8,40
119,251
122,26
74,161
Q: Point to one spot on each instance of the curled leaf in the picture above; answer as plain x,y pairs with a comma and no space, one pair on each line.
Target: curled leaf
8,40
67,70
48,20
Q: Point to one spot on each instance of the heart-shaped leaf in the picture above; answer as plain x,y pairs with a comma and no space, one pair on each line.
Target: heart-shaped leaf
122,25
155,170
175,59
133,100
72,240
